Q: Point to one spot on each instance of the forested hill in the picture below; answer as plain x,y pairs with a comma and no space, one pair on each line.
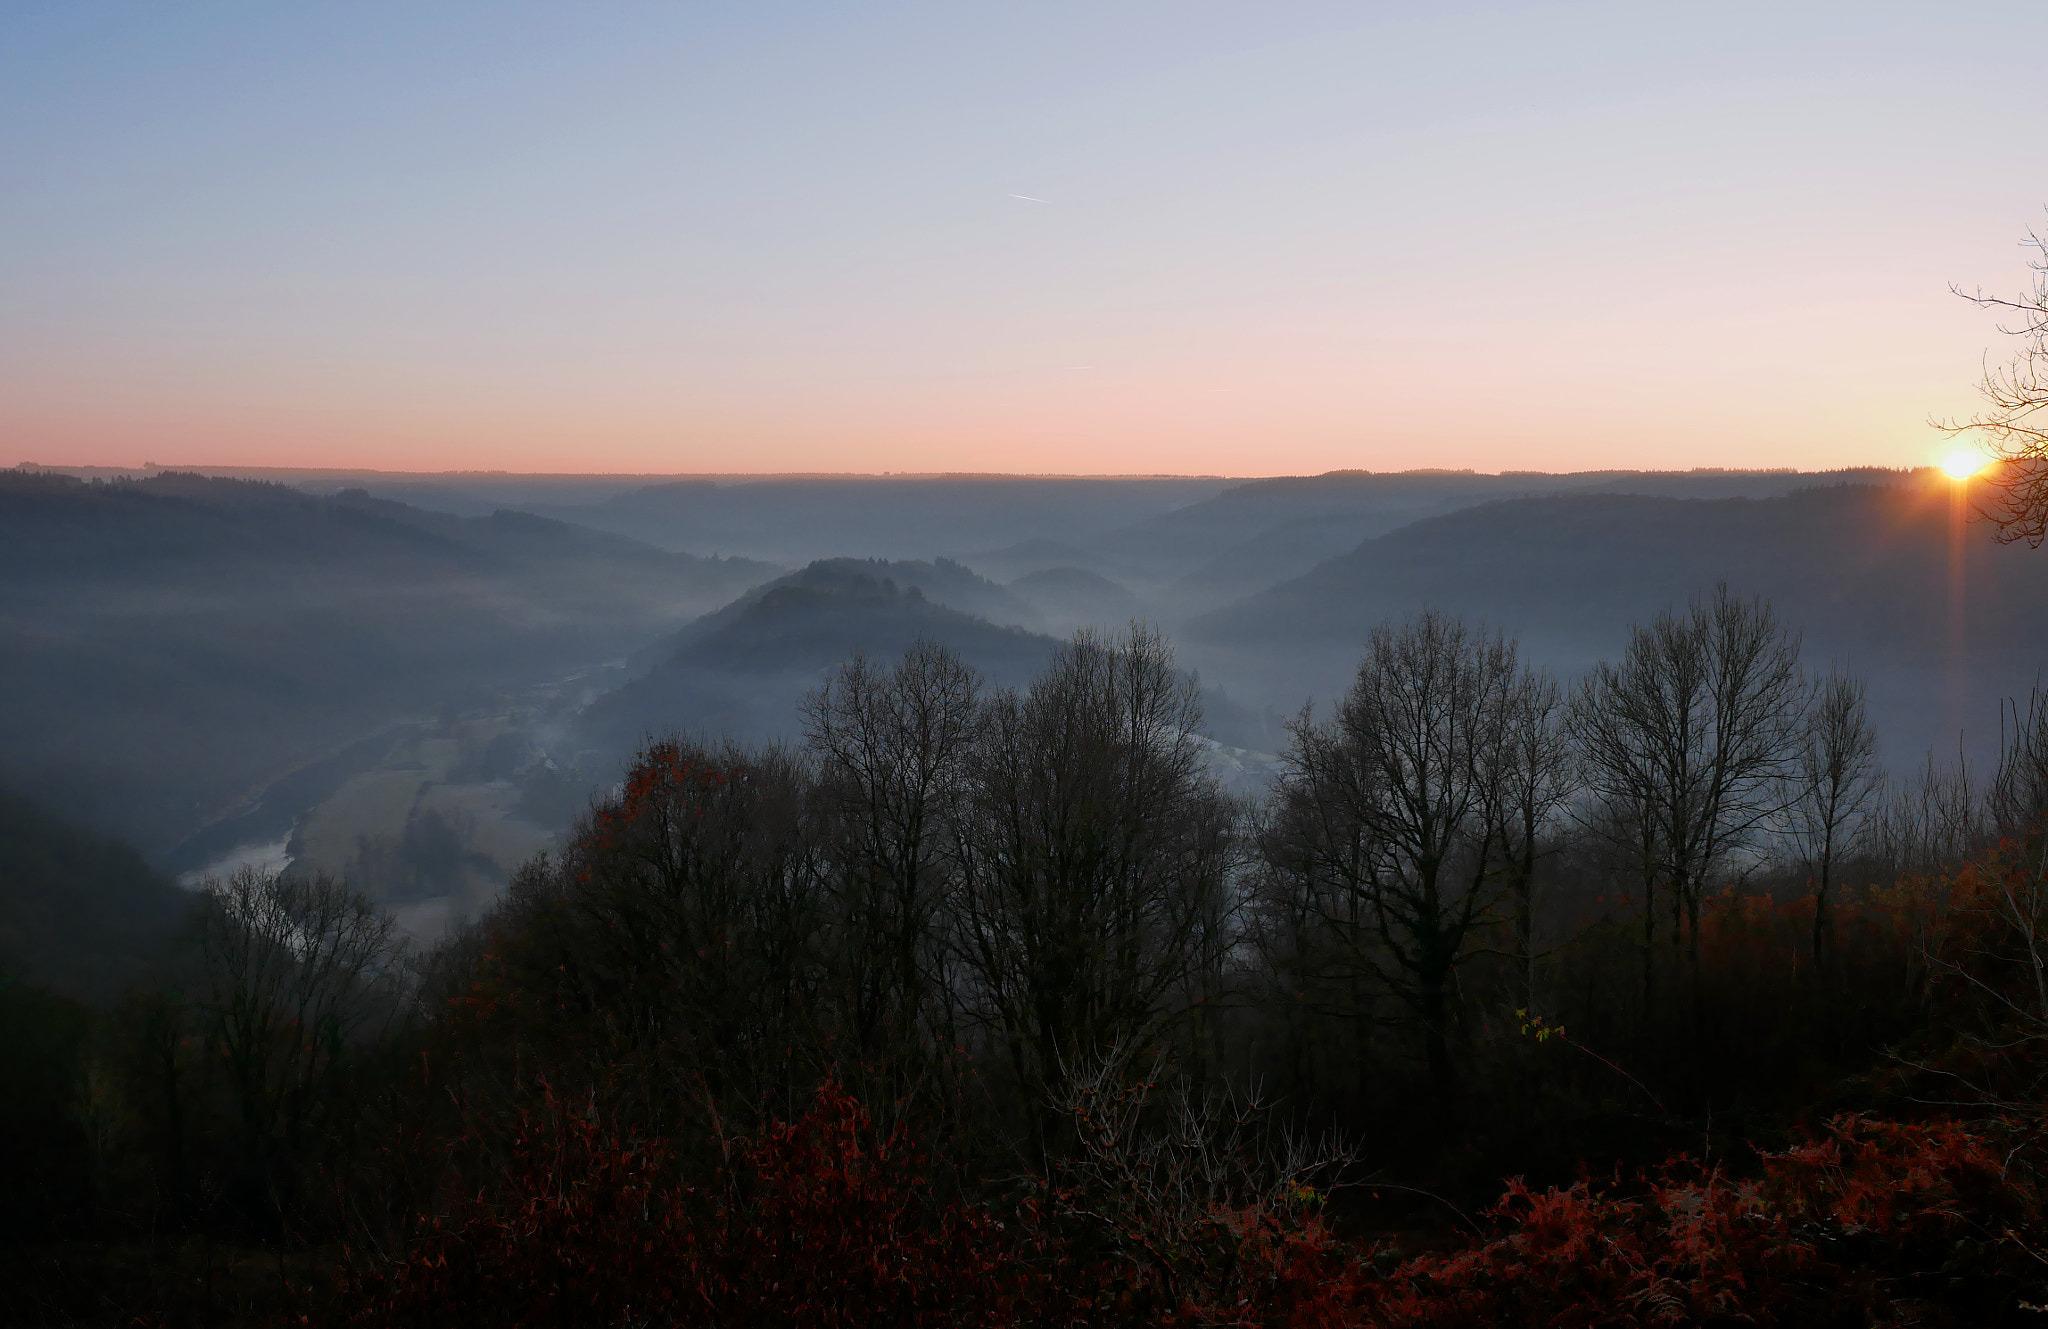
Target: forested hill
1855,564
59,535
799,518
942,581
1264,531
1860,571
741,671
170,645
80,915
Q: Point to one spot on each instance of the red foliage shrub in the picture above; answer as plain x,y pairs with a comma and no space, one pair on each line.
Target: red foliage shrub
815,1222
1235,1265
1678,1254
837,1228
1902,1182
1879,1223
1285,1270
827,1221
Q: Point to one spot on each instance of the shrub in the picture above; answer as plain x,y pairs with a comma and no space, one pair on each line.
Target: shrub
1875,1223
820,1221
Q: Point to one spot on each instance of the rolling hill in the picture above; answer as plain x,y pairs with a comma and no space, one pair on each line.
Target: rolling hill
1068,598
1860,570
741,671
80,915
1274,530
795,519
170,646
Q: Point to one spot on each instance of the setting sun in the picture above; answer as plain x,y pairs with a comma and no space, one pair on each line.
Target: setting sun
1962,465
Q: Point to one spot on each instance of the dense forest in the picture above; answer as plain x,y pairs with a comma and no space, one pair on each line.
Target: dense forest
1642,997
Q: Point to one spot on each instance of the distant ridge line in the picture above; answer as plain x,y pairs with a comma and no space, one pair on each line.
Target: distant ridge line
669,477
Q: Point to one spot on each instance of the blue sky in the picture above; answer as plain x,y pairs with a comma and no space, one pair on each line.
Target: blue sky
1243,239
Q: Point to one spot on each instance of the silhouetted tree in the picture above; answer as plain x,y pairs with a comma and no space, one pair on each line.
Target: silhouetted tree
296,972
1618,819
1391,821
679,933
1932,819
1695,731
892,747
1541,775
2017,800
1838,781
2012,424
1094,849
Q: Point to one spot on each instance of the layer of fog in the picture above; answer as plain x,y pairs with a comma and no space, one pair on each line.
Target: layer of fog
422,705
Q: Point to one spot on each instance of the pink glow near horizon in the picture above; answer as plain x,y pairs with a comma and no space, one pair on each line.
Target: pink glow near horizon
1497,237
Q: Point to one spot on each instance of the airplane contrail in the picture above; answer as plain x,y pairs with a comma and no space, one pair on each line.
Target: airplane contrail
1027,198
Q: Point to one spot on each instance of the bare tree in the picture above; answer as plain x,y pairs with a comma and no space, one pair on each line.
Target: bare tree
1094,848
1838,782
1989,937
2018,798
1695,731
1929,821
298,971
680,931
1304,977
1540,776
1389,818
1619,818
892,745
2015,394
1172,1181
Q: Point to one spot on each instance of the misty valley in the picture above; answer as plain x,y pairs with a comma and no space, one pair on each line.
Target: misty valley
1162,899
207,666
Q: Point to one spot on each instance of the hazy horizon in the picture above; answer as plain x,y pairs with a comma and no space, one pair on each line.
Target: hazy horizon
109,469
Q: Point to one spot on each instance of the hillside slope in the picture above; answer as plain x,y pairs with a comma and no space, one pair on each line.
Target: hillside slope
1860,570
742,670
794,519
1273,530
169,646
80,915
1070,598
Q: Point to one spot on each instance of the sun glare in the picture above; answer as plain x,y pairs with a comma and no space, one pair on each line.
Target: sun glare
1962,465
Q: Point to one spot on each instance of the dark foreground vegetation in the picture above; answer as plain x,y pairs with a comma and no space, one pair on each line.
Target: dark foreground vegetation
1649,1001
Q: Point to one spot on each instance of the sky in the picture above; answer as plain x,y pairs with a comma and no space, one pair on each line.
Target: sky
1076,238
